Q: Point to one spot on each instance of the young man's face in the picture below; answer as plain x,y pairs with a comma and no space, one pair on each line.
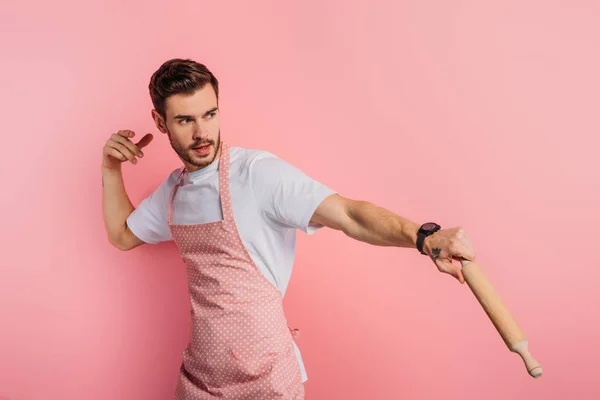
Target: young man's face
192,124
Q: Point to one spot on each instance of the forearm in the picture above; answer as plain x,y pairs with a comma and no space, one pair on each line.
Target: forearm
116,205
376,225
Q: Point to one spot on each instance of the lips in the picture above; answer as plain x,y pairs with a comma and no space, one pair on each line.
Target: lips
203,149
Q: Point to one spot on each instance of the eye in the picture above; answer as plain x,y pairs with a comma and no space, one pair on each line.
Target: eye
212,114
184,121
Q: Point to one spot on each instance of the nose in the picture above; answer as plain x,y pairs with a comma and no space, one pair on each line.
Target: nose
200,133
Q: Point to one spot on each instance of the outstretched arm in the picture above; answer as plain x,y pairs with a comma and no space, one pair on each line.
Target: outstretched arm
369,223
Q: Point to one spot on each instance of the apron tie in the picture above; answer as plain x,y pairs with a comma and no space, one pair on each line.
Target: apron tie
295,332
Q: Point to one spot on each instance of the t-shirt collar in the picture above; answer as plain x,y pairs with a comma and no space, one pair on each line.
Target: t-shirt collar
202,173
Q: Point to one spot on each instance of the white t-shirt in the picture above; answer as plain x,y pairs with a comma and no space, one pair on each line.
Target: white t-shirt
271,199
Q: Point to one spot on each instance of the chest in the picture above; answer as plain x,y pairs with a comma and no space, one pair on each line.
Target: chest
200,203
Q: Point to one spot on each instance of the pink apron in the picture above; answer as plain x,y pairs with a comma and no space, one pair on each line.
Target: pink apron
240,344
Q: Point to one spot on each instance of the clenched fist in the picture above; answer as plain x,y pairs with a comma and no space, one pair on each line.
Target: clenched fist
447,245
120,148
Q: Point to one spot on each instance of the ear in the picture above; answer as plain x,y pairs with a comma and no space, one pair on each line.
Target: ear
159,121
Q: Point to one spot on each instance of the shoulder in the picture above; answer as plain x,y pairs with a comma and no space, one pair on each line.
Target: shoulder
247,161
247,156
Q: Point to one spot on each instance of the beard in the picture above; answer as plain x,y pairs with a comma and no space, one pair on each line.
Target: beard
188,155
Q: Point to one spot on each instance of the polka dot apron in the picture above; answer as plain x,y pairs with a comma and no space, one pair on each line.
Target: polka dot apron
240,344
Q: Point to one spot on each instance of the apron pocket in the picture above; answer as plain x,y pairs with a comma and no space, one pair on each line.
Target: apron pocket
253,359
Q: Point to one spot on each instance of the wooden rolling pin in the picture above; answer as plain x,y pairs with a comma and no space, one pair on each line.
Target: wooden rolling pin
505,324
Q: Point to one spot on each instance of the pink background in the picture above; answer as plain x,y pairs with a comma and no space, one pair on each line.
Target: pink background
480,114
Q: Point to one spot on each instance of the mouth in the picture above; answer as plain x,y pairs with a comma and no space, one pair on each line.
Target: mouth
202,149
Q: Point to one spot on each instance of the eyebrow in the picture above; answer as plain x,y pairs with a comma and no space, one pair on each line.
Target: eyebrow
179,116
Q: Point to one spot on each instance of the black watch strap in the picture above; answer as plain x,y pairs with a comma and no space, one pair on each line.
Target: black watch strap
431,228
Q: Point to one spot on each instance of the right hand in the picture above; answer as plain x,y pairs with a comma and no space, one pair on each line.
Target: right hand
120,148
448,245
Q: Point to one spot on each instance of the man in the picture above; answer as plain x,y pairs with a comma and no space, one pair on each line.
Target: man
233,214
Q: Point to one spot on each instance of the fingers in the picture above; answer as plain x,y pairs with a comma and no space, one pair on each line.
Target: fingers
145,141
464,253
457,273
126,133
121,141
453,244
116,154
129,144
122,149
461,247
460,276
449,268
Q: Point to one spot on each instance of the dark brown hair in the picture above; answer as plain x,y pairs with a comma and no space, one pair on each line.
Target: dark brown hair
179,76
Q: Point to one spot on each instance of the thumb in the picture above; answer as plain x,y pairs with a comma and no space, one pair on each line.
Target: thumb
449,268
145,141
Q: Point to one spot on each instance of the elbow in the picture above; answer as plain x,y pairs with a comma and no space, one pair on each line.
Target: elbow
119,242
123,247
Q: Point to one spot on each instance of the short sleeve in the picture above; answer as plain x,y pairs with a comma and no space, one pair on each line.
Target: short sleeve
285,194
149,220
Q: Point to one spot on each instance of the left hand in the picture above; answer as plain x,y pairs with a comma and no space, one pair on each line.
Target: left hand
447,245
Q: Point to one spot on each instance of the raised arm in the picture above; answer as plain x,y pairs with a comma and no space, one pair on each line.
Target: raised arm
116,205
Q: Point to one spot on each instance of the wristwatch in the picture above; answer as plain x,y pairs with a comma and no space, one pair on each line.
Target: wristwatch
425,230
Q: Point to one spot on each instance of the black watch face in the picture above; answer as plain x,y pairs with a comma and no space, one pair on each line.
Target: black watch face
429,226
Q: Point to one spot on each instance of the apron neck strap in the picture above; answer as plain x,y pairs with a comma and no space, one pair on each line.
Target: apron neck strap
224,195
